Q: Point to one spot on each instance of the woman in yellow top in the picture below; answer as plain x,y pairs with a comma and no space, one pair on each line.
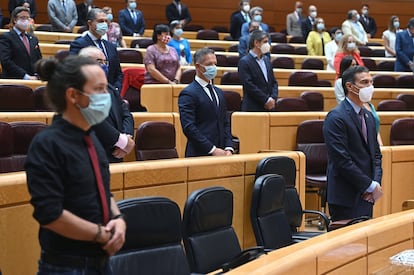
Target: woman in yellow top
317,38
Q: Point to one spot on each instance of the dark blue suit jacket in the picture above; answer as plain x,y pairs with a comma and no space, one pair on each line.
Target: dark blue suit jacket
171,12
118,121
256,90
203,124
404,49
127,24
352,163
115,73
236,22
15,60
307,27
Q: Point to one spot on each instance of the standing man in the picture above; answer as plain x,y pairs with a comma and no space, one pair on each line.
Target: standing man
256,14
354,158
352,26
98,26
62,15
68,174
203,112
83,9
294,20
243,47
116,132
238,18
404,49
260,88
177,11
19,51
307,23
367,21
16,3
131,19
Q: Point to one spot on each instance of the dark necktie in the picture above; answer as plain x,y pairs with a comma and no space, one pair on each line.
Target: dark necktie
64,6
101,46
363,125
99,182
323,46
134,16
212,94
25,42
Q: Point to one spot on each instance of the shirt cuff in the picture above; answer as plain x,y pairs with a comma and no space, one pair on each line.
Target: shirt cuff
229,149
26,77
122,141
372,186
270,98
212,150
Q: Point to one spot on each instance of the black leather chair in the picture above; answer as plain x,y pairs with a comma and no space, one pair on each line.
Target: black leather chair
402,132
130,56
283,62
278,37
392,105
141,43
209,238
153,238
386,66
155,140
286,167
303,78
370,63
6,149
312,64
283,49
384,81
314,100
291,104
207,34
193,27
41,101
230,78
405,81
267,215
188,76
408,99
16,98
61,54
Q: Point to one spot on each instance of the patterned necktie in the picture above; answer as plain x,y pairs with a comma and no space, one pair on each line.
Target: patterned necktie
363,125
99,182
25,42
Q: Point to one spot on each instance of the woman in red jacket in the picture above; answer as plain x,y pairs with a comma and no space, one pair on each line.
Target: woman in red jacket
347,47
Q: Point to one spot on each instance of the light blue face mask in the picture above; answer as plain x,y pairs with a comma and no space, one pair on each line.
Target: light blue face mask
98,108
396,24
320,26
109,16
211,71
257,18
132,5
101,28
178,32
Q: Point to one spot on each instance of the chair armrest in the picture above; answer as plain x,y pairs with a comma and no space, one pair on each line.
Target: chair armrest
325,218
245,256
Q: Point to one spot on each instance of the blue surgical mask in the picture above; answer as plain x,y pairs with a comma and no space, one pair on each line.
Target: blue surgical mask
178,32
257,18
320,26
109,16
98,108
101,28
105,69
132,5
396,24
211,72
338,37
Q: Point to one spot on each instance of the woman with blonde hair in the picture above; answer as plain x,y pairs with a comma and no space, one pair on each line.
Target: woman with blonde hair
317,38
347,47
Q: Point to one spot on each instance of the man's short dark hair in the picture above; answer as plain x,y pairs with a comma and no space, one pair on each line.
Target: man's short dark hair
91,16
18,10
349,76
256,35
410,23
199,54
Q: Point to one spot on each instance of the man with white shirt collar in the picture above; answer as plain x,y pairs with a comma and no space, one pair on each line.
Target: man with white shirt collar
203,112
131,19
178,11
98,26
352,26
307,23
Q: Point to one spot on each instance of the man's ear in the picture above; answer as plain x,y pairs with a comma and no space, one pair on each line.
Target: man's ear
71,95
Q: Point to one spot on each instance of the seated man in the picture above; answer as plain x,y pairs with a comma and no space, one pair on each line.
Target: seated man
19,51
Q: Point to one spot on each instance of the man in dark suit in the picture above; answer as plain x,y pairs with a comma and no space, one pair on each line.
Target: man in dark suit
307,22
203,112
178,11
116,131
17,3
368,22
98,26
354,158
238,18
83,9
260,88
404,49
131,19
19,51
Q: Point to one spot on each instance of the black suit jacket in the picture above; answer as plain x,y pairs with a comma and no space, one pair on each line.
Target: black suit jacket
203,124
171,12
82,10
307,27
115,73
256,90
15,60
118,121
352,163
371,27
236,22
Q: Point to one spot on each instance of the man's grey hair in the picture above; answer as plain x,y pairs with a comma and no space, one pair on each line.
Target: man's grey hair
201,53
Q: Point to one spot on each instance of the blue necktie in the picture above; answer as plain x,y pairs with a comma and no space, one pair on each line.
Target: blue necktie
64,6
101,46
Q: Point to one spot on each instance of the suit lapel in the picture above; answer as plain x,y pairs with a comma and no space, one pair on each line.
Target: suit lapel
20,42
208,99
258,69
356,120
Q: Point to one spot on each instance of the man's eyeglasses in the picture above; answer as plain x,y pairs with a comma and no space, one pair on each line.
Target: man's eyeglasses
102,61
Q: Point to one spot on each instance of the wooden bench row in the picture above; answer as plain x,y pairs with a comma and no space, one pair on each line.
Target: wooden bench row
177,178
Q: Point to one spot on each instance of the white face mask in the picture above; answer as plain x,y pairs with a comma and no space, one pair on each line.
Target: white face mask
351,46
265,48
313,14
22,24
365,94
246,8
